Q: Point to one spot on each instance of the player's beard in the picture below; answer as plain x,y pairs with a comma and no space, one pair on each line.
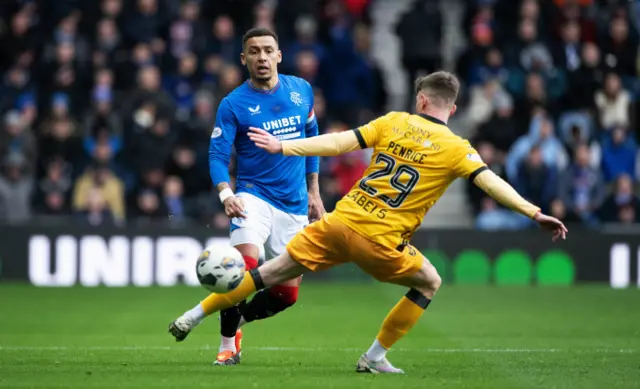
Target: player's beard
263,76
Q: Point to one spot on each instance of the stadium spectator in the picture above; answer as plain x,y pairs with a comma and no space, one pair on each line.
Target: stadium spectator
111,188
174,201
150,210
108,50
378,100
149,92
183,84
621,206
482,102
585,80
225,43
567,54
619,152
96,212
620,50
66,31
20,36
346,78
306,40
183,164
103,119
197,130
16,189
16,86
581,189
187,33
492,68
146,23
541,134
500,130
535,181
60,138
613,103
575,127
53,191
307,66
16,137
420,31
534,101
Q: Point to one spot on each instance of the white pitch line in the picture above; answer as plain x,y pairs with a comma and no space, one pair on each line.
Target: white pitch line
314,349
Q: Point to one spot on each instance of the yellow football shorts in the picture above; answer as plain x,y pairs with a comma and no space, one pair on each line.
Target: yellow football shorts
329,242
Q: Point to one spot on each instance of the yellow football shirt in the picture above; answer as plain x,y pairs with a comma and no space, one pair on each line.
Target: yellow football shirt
415,159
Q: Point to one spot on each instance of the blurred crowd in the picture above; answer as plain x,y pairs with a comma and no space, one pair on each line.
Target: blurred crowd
552,93
107,106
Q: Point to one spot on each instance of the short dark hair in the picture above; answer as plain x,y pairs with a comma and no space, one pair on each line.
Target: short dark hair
441,86
256,32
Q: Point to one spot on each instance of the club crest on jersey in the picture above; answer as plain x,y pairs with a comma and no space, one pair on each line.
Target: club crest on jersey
216,132
254,111
296,98
474,158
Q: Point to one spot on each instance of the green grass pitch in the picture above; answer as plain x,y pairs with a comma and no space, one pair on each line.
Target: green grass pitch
470,337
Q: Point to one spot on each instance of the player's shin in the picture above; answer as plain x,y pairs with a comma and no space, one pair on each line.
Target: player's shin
230,318
398,322
251,282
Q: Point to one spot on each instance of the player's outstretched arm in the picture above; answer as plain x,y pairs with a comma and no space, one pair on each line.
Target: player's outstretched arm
504,193
327,145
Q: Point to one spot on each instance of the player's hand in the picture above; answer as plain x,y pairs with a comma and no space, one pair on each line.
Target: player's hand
264,140
234,207
550,223
316,208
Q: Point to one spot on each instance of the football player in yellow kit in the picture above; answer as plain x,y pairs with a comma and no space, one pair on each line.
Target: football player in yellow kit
415,158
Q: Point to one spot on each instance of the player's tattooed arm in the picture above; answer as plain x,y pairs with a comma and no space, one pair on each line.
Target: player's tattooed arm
316,208
313,185
222,186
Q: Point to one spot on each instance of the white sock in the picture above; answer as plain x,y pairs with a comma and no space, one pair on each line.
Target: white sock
227,344
242,322
376,352
196,313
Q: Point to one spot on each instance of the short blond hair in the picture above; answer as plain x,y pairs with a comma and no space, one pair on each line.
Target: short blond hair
440,87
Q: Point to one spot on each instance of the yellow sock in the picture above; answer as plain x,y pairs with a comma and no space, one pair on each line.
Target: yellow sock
402,318
216,302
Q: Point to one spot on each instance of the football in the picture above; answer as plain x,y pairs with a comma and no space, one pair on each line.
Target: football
220,269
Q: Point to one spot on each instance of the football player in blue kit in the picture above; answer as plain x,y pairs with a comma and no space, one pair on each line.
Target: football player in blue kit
275,196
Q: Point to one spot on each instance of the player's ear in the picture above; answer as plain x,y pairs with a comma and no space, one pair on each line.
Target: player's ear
279,56
421,102
243,60
453,110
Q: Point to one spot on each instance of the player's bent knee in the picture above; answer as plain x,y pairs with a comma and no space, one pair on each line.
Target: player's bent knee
427,281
